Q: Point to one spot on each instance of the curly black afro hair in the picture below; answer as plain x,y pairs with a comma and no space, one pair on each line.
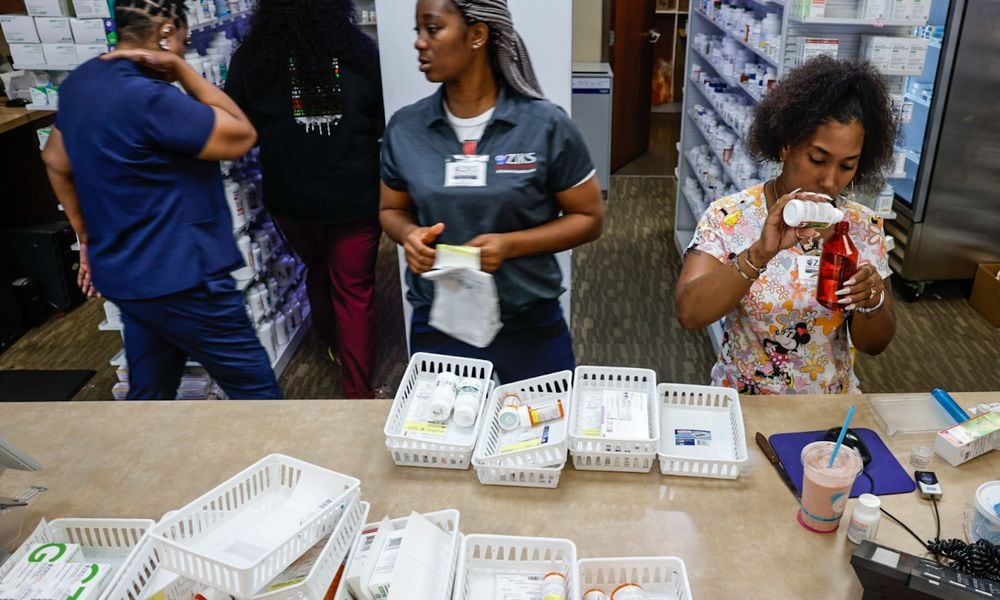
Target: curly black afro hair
826,88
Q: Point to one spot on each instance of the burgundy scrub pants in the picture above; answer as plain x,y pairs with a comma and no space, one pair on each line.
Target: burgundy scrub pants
341,288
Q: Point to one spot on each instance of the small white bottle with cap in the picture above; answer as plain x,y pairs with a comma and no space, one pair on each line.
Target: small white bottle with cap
818,215
445,392
467,401
865,519
554,586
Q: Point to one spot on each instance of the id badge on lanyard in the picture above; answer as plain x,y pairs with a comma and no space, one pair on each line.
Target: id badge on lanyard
466,170
808,268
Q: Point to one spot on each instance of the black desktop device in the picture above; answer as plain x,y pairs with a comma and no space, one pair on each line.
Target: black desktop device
888,574
45,254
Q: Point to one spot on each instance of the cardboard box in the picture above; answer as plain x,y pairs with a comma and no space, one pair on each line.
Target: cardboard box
19,29
810,8
47,8
54,30
60,54
91,9
872,10
85,52
88,31
917,56
27,54
985,296
969,439
813,47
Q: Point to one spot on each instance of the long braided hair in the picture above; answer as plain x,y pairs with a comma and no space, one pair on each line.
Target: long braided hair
135,20
508,53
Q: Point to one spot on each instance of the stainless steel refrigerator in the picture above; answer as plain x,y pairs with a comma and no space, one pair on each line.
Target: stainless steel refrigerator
948,205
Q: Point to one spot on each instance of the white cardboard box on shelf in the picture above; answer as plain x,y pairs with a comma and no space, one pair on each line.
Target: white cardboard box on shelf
91,9
60,54
88,31
27,54
917,55
85,52
47,8
873,9
813,47
54,30
19,29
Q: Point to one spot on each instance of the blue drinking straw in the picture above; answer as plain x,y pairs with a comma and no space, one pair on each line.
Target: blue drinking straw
840,438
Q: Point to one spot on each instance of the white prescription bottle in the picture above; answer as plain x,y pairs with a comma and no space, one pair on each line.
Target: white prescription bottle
818,215
554,586
508,417
865,519
467,402
628,591
594,595
445,391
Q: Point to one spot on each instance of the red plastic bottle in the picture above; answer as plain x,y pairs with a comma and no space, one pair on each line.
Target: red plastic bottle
837,264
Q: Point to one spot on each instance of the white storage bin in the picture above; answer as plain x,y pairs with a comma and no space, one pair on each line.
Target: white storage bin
661,577
483,557
538,466
108,541
592,453
239,536
411,452
542,477
715,410
447,520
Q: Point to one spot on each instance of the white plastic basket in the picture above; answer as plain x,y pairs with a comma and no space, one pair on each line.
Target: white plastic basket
540,388
540,466
411,452
661,577
447,520
608,453
240,535
108,541
483,557
540,477
706,408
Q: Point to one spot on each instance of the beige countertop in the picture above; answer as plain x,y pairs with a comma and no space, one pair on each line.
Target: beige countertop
739,538
11,117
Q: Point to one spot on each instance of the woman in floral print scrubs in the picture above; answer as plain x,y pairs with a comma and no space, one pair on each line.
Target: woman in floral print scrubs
831,124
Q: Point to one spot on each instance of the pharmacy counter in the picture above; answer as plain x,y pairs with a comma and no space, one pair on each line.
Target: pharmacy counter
13,117
738,538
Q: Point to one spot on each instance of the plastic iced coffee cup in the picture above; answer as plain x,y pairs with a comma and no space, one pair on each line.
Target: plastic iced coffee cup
825,489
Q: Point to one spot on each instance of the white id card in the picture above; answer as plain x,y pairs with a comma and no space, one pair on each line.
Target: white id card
808,267
466,170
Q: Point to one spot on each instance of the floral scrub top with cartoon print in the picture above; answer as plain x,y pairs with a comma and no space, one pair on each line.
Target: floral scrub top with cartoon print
778,339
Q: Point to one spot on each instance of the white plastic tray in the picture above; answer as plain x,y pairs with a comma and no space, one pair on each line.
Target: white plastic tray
240,535
447,520
535,390
540,477
608,453
482,557
705,408
108,541
412,452
661,577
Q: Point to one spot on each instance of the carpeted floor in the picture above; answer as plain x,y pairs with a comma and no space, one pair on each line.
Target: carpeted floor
622,315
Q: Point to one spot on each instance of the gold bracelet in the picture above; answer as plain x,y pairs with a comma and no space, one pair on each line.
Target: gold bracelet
746,257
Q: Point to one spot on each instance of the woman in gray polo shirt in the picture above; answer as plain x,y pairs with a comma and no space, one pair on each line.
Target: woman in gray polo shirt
528,192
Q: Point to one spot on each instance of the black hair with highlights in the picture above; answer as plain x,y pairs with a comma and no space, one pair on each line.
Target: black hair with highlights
826,88
136,20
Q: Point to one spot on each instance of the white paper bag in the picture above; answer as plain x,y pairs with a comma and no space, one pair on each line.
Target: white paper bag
466,305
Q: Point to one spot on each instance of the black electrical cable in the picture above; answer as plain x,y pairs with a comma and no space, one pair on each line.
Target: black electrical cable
981,559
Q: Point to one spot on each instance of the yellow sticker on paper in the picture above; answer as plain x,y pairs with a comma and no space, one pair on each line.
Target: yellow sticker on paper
591,432
522,445
425,427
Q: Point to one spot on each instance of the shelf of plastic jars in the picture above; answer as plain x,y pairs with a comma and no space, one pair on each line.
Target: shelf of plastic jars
760,53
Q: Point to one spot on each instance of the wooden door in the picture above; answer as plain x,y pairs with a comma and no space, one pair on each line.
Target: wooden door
631,54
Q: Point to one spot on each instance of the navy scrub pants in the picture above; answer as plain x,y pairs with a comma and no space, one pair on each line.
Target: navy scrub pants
536,342
209,324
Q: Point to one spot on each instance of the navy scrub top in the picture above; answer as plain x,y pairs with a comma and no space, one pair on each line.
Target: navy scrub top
534,152
155,214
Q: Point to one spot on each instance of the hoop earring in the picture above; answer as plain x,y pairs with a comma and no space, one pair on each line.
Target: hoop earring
164,45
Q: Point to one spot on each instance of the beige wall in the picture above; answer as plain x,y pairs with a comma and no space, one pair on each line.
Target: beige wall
587,30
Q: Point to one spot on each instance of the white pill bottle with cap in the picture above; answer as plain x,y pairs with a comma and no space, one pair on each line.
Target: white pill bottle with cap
865,519
445,391
467,401
628,591
554,586
817,215
594,595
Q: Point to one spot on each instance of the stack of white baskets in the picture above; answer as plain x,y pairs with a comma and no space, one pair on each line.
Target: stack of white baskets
235,539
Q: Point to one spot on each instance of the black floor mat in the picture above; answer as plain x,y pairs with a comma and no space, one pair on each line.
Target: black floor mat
41,386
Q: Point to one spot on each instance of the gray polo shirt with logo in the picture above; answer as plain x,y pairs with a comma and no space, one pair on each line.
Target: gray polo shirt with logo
534,151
